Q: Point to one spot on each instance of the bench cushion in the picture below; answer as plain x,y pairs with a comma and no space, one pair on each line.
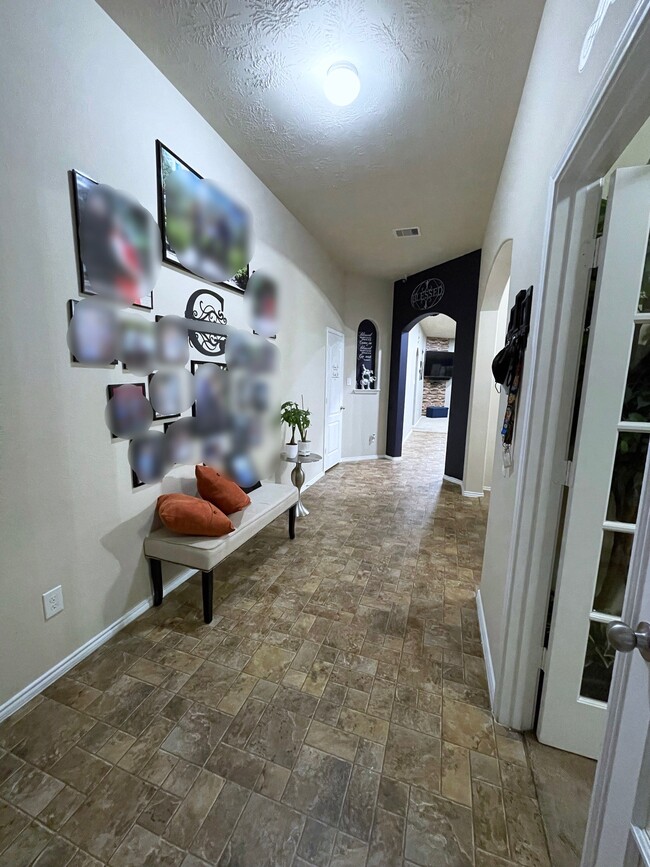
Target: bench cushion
267,503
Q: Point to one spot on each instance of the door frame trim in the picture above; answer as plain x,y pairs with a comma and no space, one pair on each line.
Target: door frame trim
329,330
622,93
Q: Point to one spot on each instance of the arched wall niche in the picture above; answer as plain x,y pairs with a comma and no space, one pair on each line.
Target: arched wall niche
482,428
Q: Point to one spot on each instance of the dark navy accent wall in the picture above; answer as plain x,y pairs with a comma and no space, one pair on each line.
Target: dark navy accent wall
460,278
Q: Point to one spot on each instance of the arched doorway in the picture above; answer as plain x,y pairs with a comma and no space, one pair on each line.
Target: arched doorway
452,289
429,375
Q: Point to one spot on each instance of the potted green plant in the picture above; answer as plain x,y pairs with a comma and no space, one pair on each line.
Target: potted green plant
290,414
304,446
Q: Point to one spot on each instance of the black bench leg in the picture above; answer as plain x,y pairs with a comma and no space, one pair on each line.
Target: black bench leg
155,570
207,596
292,522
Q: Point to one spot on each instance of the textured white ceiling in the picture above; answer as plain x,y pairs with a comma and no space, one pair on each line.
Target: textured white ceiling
423,144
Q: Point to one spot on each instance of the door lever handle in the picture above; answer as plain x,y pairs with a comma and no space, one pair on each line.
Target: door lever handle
625,639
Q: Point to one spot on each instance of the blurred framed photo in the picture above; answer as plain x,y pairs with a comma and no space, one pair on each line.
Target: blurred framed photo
194,365
169,163
157,416
119,255
72,304
123,408
111,389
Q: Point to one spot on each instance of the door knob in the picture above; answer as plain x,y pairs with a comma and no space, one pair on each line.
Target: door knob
624,639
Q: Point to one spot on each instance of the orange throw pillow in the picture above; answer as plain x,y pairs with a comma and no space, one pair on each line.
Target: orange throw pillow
220,491
192,517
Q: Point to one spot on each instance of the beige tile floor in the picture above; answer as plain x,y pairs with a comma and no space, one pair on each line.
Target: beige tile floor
334,713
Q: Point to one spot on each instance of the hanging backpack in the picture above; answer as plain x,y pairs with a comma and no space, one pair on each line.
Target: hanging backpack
506,362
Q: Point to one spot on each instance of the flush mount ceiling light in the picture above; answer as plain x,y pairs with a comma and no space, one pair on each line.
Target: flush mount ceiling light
342,83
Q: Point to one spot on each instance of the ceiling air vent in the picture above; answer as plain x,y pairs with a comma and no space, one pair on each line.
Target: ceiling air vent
413,232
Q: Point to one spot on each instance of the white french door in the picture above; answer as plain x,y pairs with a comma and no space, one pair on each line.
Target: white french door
333,399
608,469
619,819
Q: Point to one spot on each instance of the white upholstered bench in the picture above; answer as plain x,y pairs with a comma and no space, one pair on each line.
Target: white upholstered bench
203,553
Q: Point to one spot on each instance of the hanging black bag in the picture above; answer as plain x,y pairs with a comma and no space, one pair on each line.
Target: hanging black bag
506,361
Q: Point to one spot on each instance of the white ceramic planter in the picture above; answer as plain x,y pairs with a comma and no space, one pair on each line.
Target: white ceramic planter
291,451
304,448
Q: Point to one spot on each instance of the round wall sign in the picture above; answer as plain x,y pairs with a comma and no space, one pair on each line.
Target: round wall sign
427,294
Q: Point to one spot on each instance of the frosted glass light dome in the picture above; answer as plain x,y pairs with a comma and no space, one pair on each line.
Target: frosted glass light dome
342,84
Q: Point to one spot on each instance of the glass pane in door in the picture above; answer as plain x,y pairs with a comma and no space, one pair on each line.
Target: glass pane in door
612,572
636,405
627,477
599,659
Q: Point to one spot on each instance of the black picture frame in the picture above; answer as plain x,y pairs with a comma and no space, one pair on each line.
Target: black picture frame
157,416
72,303
194,363
79,185
110,390
366,352
163,154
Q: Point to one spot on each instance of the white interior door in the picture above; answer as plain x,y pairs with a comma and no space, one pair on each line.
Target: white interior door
619,819
333,398
608,468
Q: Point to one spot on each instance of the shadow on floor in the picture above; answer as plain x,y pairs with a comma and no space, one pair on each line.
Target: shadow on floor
563,782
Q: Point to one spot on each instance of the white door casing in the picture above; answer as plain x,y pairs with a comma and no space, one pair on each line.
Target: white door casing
569,720
333,399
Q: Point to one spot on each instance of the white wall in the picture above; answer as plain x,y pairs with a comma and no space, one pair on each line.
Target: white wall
417,345
553,100
495,417
365,413
77,93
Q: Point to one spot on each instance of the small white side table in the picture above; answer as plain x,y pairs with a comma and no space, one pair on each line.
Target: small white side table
298,477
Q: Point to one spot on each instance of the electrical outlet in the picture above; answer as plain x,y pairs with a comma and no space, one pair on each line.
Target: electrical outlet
53,602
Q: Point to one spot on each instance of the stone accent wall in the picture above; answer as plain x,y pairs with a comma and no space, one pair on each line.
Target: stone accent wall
433,393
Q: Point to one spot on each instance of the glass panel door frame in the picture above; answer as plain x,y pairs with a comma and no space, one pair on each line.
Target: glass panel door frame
619,105
568,719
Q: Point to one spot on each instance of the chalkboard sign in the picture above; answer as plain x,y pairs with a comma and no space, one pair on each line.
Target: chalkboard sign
366,355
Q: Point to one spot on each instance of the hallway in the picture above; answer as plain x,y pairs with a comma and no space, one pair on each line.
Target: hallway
334,713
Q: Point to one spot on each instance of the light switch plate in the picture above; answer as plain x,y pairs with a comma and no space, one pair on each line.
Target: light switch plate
53,602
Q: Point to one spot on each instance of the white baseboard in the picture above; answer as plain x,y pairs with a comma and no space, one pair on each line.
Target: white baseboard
485,641
356,458
407,435
57,671
313,481
392,457
487,488
459,482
